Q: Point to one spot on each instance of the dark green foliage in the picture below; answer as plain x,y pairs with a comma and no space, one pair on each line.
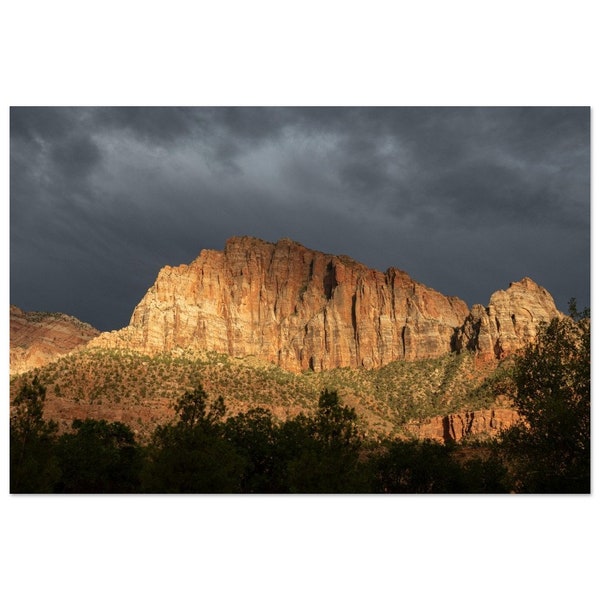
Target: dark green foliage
335,426
428,467
485,476
550,451
248,453
323,451
251,453
33,466
417,468
183,459
99,457
193,456
193,411
27,419
257,439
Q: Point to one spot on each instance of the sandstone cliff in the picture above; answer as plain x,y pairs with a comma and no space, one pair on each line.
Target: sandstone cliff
292,306
302,309
455,427
37,338
509,322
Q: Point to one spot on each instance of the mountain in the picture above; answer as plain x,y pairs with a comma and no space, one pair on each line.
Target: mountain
303,310
509,322
271,325
37,338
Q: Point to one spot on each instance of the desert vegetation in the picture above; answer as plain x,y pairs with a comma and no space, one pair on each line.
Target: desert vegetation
129,385
201,451
228,426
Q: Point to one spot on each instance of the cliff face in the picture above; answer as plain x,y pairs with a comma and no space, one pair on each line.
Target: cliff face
509,322
302,309
295,307
38,338
455,427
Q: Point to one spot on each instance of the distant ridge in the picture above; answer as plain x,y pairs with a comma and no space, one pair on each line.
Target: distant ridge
37,338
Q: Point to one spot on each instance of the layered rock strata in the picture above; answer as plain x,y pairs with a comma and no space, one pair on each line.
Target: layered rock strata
292,306
37,338
302,309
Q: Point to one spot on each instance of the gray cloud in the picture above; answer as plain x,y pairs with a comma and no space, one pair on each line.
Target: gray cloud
75,157
465,199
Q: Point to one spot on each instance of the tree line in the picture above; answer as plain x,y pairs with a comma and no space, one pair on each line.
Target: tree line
202,451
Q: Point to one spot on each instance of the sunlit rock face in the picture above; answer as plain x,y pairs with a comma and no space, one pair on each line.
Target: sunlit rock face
458,426
509,322
302,309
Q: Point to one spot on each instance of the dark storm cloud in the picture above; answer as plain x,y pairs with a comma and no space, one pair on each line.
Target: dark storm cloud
35,125
482,194
465,199
75,157
157,124
233,127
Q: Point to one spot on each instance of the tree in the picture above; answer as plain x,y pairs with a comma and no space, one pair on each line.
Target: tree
257,438
326,459
336,425
32,463
99,457
193,411
416,467
193,455
550,449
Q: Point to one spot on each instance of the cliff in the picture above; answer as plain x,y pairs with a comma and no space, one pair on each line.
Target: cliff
292,306
37,338
456,427
509,322
302,309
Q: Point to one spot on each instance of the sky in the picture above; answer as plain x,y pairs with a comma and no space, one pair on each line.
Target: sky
466,200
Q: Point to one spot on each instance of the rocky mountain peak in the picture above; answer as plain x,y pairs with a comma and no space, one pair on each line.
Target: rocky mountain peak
510,321
293,306
303,309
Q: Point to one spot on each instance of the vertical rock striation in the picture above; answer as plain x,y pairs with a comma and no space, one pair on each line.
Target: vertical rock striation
302,309
298,308
509,322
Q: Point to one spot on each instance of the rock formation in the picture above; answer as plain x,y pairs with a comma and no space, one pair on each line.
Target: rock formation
37,338
509,322
302,309
457,426
292,306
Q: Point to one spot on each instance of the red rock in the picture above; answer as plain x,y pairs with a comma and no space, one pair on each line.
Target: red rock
38,338
455,427
300,309
509,322
295,307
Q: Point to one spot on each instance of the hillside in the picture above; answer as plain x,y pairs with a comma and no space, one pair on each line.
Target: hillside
401,399
37,338
272,325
